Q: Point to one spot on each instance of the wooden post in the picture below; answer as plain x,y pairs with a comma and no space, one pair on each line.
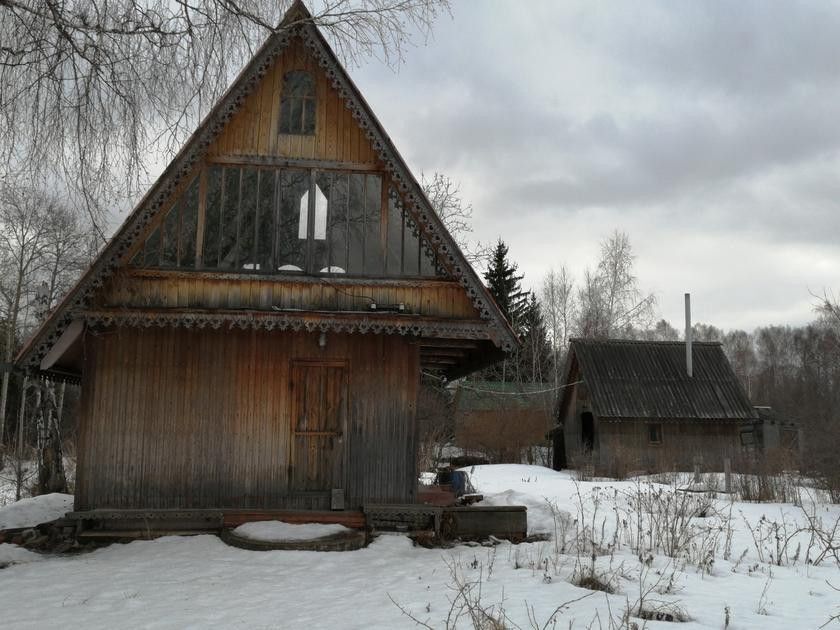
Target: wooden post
59,407
201,219
21,413
697,470
727,474
19,444
689,369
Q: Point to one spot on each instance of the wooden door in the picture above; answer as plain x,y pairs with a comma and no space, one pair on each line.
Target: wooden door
319,423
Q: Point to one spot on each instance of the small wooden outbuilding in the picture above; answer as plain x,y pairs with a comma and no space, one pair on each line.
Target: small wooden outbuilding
632,405
254,333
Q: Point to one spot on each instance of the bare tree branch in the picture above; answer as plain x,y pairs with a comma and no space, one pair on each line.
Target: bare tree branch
41,253
93,92
610,301
456,214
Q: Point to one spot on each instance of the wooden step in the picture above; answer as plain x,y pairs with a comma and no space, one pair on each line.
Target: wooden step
352,519
344,541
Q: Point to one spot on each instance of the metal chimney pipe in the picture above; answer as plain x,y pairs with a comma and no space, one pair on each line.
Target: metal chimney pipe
688,334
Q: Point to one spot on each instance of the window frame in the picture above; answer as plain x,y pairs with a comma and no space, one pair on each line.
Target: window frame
359,238
286,126
654,433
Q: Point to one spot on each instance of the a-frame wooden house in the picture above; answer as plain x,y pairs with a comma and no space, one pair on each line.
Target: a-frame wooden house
253,335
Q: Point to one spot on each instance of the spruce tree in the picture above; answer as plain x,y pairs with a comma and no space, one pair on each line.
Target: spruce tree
503,283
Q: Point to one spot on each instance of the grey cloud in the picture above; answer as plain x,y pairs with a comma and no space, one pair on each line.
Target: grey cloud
664,159
748,47
682,122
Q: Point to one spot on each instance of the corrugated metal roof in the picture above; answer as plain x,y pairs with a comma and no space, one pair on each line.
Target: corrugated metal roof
648,379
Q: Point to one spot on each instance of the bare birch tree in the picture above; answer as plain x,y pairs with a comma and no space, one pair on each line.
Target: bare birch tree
610,301
661,331
828,309
24,228
70,247
95,90
740,350
557,301
44,246
445,196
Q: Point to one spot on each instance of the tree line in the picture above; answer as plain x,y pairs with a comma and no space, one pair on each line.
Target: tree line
793,369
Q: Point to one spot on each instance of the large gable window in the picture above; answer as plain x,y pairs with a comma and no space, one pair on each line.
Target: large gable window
291,220
308,221
172,242
297,104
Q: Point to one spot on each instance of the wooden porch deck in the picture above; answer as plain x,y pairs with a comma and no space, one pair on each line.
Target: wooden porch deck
475,522
110,524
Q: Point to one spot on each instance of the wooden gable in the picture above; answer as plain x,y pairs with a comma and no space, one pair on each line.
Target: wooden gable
230,213
253,131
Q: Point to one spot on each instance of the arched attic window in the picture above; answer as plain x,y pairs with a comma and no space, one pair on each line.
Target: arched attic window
297,104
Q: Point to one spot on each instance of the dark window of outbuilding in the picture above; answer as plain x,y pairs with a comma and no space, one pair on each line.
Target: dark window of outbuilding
297,104
655,433
587,430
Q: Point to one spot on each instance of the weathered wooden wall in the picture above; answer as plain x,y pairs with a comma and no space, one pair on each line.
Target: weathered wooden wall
570,417
682,441
190,419
254,129
149,288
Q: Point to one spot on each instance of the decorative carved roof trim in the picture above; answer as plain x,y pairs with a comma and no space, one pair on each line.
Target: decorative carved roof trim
351,323
194,151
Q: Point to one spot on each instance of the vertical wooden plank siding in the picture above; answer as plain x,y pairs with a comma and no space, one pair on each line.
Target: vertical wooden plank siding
253,130
203,419
88,395
681,441
158,288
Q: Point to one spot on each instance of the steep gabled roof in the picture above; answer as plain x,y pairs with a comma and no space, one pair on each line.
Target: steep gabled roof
648,379
297,23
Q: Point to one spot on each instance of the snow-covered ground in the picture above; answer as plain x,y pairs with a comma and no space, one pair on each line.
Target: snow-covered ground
752,563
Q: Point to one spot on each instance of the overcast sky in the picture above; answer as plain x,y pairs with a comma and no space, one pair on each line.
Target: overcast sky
708,131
